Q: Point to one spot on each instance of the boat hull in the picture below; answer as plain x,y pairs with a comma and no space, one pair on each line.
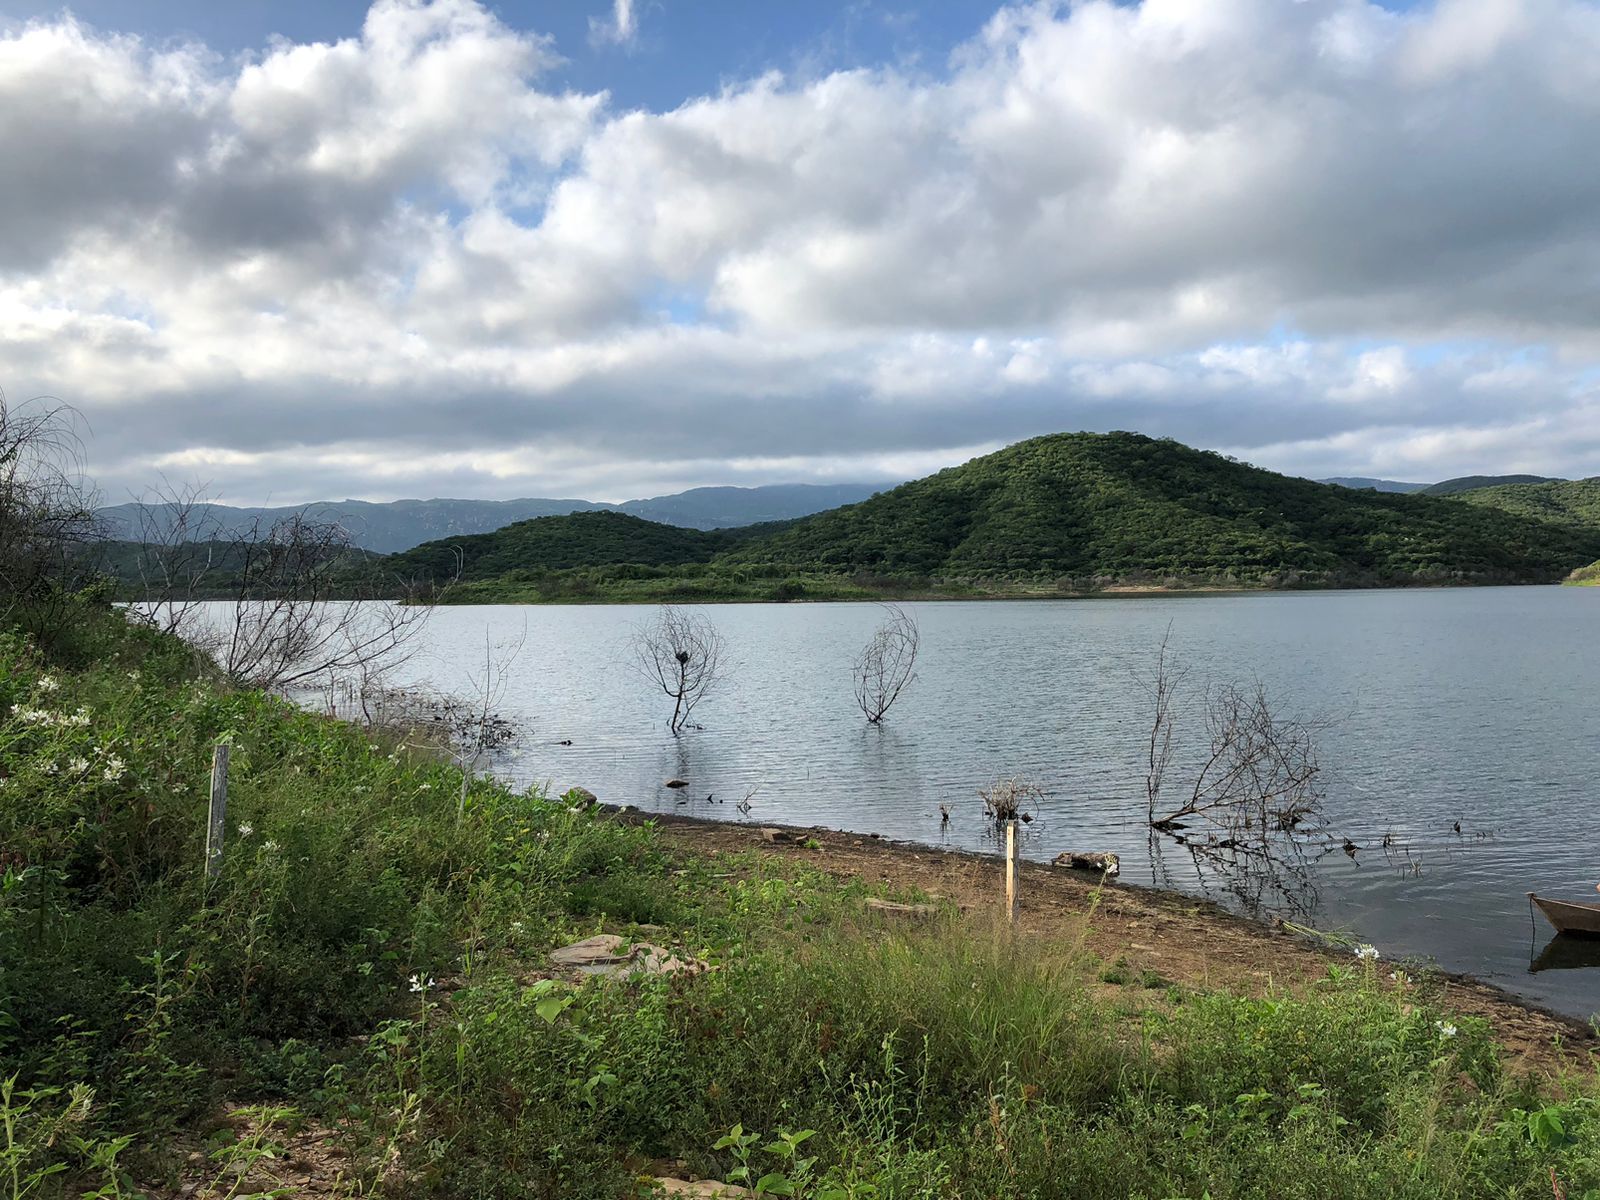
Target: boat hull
1581,920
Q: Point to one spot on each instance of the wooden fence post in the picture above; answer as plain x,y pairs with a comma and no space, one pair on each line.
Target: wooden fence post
219,809
1011,871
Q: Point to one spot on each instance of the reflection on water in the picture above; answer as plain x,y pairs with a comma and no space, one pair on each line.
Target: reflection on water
1459,756
1567,952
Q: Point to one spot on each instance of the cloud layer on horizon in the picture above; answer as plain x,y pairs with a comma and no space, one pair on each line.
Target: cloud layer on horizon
1324,236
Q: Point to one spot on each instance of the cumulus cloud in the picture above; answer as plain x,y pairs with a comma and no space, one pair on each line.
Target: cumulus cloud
1325,236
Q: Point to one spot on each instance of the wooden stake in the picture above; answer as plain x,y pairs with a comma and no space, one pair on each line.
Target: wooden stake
219,810
1011,871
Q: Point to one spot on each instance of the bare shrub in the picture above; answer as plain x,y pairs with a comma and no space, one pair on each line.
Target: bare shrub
282,616
682,653
181,551
1010,799
477,728
46,511
887,664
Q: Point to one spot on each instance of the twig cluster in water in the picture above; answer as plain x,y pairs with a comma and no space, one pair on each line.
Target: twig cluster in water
1010,799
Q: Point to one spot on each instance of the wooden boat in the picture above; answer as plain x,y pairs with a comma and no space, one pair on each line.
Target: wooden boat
1569,916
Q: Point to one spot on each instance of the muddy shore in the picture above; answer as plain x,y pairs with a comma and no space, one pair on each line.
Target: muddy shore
1173,936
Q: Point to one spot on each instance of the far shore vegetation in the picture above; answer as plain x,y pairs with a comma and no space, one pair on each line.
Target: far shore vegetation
1066,515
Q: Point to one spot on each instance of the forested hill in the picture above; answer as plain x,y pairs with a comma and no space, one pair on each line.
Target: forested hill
1124,507
578,540
1068,512
1469,483
1566,502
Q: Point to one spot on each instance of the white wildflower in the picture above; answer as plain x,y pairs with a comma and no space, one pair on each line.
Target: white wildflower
1446,1030
1367,953
420,983
426,787
246,829
51,767
47,683
79,718
269,846
115,769
77,765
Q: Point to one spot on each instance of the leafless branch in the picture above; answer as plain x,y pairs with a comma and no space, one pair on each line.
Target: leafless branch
1252,815
46,509
887,663
682,653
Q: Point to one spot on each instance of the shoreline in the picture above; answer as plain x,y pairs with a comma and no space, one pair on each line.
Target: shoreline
1131,591
1157,933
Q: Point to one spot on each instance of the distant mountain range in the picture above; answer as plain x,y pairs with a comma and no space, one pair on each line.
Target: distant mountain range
387,528
1448,487
1377,485
1064,513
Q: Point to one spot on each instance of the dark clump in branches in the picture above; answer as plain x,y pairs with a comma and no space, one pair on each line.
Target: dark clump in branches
682,653
887,664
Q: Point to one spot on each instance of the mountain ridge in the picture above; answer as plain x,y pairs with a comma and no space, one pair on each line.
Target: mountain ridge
388,527
1067,513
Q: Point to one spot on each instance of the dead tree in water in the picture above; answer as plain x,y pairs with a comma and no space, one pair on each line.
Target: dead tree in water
682,653
1251,811
887,663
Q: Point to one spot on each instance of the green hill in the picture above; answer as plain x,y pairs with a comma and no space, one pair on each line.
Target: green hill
1123,507
581,539
1566,502
1586,576
1468,483
1069,512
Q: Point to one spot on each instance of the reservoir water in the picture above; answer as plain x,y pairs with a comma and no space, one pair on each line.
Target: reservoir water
1473,709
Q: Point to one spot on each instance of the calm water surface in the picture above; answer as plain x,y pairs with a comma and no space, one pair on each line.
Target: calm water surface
1475,706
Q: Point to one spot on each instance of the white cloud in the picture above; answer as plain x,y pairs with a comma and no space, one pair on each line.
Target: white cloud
621,30
403,261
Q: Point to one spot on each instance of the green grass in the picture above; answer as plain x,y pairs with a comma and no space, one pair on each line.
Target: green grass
929,1062
1586,576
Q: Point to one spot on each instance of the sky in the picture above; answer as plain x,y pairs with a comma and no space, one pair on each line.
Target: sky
615,248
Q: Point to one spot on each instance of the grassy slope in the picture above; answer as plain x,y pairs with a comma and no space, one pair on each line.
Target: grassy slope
1586,576
930,1063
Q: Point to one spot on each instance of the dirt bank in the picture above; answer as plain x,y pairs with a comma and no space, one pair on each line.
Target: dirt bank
1176,937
